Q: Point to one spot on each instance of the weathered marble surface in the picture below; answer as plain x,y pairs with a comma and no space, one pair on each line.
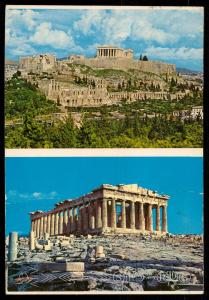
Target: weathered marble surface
130,264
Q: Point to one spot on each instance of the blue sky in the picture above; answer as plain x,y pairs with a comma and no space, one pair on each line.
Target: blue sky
38,183
171,35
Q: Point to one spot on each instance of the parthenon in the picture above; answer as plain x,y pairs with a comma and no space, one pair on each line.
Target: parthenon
123,209
113,51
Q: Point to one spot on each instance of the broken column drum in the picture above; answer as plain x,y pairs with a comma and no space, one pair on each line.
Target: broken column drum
13,240
108,209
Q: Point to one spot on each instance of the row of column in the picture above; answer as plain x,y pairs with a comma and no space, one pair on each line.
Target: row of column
96,216
70,220
107,52
133,217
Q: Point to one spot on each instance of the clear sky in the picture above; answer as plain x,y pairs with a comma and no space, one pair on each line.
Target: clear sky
171,35
38,183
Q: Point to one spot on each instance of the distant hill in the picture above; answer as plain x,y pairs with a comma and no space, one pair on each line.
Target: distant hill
187,71
10,62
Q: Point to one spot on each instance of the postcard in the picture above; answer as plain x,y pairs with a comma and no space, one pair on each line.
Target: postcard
104,149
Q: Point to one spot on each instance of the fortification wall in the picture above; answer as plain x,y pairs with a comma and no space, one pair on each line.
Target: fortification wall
127,63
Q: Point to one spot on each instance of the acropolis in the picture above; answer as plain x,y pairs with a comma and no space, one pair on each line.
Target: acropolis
57,78
121,209
107,57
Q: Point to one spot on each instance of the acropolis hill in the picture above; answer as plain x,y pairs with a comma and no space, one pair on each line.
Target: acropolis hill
112,76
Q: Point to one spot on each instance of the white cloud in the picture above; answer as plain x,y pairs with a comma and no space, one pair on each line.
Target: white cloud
24,49
18,45
175,53
16,18
162,26
23,197
144,30
45,35
39,195
36,195
172,32
89,21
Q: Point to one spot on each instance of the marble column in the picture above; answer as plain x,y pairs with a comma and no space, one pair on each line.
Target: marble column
49,224
92,221
52,224
141,217
36,233
13,242
61,222
84,219
65,221
71,219
104,213
123,214
74,218
91,216
35,226
150,217
41,227
158,218
79,220
132,215
45,224
36,230
56,227
38,227
164,219
113,214
32,241
98,214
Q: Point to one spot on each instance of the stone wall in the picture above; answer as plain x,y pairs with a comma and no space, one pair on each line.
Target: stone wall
126,64
37,63
98,96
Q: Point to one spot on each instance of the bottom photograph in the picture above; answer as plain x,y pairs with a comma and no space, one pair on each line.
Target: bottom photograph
104,225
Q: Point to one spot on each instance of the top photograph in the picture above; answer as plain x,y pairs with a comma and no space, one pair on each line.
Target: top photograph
103,77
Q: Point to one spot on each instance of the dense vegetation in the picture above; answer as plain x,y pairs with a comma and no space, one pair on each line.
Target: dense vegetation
21,96
129,132
135,130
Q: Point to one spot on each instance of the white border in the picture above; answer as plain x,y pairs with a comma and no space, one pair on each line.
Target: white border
199,8
105,152
110,293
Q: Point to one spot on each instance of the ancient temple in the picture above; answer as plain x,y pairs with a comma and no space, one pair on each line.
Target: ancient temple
121,209
114,52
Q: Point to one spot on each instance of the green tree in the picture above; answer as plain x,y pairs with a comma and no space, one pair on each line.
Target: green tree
145,58
64,135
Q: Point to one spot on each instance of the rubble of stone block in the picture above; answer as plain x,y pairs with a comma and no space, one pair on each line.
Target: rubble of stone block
110,263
